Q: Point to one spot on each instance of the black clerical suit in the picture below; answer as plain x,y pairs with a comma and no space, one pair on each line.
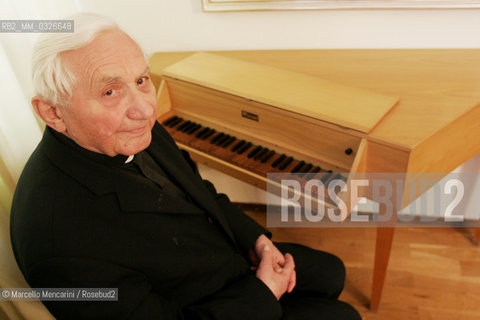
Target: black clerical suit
173,247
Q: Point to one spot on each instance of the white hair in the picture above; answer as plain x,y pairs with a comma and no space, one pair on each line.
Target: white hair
51,77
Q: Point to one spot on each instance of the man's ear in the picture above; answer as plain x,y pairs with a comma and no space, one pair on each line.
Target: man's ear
52,115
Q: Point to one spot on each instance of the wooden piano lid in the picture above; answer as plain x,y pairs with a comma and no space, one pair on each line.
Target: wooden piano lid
342,105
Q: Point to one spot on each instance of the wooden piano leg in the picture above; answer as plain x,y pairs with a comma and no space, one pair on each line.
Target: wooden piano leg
383,247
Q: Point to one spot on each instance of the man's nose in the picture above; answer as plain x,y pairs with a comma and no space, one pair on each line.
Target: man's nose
140,106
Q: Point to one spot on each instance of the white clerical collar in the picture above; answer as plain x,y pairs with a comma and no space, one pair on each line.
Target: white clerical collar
130,158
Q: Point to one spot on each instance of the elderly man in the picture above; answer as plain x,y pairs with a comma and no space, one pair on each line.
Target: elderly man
108,200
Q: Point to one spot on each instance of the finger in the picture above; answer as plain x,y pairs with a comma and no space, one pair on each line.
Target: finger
265,248
279,258
292,282
289,263
267,258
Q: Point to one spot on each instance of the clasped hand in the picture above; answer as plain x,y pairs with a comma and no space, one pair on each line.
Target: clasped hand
276,270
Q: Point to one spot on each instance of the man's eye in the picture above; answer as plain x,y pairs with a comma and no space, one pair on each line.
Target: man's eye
109,92
142,80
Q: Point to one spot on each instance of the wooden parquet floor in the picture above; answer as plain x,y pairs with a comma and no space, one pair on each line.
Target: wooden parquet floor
433,273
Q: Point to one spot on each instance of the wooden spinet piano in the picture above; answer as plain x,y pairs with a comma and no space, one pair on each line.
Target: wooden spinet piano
410,111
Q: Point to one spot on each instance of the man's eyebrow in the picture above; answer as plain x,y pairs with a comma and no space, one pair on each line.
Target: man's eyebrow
147,70
110,79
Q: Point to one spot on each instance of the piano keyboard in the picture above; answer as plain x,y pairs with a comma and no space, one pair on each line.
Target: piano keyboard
244,154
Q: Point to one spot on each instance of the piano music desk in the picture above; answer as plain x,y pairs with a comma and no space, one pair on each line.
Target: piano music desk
434,128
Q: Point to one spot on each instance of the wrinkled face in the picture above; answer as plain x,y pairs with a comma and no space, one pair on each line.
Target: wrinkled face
113,107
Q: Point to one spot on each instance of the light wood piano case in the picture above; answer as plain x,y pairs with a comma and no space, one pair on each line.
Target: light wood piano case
407,111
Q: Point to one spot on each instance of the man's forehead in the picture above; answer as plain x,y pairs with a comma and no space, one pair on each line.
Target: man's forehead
112,54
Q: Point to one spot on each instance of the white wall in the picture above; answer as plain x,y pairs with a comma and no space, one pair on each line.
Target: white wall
176,25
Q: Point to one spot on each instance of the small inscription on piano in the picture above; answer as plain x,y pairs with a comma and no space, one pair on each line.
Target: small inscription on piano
249,115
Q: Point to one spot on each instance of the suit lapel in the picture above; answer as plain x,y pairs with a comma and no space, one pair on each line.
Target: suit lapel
167,155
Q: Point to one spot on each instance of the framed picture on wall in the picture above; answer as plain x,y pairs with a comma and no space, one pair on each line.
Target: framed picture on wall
255,5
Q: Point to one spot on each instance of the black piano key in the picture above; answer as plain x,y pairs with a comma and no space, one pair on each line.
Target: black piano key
298,167
183,125
194,128
341,177
279,159
202,132
169,120
228,142
217,137
267,156
244,148
175,122
204,136
261,154
208,134
222,140
286,163
316,169
254,151
326,176
305,170
238,145
188,127
338,176
313,172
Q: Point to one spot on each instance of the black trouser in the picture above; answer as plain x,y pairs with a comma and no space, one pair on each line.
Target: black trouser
320,280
